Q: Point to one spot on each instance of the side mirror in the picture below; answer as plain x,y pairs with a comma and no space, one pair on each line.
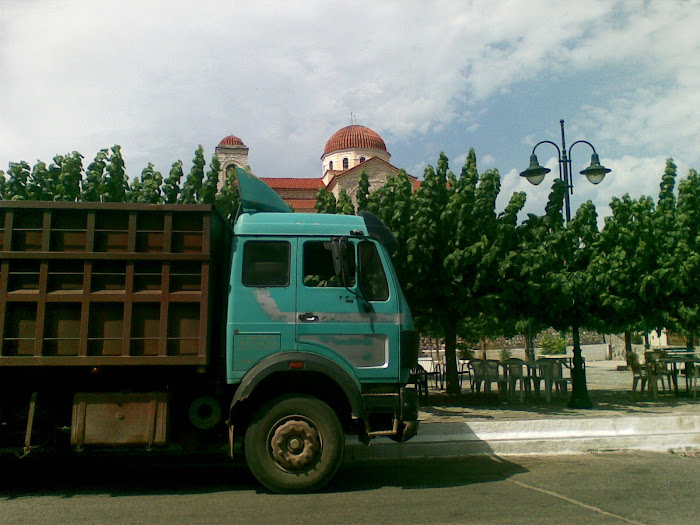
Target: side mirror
340,247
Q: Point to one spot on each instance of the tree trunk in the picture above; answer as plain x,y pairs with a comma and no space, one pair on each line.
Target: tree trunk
628,346
529,343
451,373
579,390
690,340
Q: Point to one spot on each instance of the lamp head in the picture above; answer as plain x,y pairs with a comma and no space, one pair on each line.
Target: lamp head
535,173
595,173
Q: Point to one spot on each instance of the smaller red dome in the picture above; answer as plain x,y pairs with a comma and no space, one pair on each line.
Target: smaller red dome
231,140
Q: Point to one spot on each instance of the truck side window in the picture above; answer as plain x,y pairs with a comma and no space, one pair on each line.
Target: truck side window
318,265
373,283
266,263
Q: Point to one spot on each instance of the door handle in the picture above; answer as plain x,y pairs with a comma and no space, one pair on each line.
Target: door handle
308,318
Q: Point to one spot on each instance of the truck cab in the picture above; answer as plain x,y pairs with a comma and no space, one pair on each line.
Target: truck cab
315,311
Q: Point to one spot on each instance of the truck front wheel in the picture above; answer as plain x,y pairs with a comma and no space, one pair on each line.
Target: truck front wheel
294,444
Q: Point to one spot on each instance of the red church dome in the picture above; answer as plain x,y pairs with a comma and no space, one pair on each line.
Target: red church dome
231,140
354,137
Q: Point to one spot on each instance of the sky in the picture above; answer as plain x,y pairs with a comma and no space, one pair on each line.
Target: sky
161,77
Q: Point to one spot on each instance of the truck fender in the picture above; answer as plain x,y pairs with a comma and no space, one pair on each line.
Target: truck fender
311,363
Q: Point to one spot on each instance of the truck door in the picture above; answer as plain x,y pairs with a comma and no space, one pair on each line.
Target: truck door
262,306
337,320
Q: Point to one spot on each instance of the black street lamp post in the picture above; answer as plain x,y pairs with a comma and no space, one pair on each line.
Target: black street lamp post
595,173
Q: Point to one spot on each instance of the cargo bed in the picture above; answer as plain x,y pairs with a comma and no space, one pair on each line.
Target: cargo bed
94,284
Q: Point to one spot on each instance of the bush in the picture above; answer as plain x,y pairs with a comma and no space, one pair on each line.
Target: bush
464,351
551,345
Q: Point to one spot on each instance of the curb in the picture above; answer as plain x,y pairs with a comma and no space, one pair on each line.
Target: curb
536,436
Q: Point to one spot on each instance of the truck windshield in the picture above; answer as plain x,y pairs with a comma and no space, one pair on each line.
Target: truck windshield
373,282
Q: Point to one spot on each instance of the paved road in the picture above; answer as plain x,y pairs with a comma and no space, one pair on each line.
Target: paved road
600,488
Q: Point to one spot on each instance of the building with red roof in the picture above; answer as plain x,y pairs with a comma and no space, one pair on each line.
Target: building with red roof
349,152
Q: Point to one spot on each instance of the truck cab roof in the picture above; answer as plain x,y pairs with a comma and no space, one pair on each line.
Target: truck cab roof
295,224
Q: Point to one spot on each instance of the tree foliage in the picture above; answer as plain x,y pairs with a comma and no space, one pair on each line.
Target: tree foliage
147,189
192,189
685,299
362,194
228,199
171,186
208,194
94,183
116,182
325,201
17,184
105,180
344,205
449,247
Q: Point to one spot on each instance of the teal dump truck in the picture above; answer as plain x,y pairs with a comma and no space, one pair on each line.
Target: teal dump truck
136,327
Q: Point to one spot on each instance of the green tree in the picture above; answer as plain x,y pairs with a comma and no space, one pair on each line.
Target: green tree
662,284
93,186
687,294
40,186
362,195
625,264
208,194
71,173
146,190
192,189
3,186
325,201
449,253
344,206
565,292
228,199
53,181
393,203
17,183
171,187
116,182
480,256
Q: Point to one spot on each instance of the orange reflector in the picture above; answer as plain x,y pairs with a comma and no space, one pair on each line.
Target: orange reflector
296,364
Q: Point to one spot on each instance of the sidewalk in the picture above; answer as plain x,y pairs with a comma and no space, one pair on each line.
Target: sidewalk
474,424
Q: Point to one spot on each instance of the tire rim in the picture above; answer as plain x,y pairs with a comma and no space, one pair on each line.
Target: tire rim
295,444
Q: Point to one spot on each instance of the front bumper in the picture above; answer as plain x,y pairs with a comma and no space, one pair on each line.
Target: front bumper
409,414
393,415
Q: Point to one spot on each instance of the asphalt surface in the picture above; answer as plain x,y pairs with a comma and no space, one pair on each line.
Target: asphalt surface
639,487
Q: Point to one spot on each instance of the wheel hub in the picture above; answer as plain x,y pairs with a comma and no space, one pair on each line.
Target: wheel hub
295,445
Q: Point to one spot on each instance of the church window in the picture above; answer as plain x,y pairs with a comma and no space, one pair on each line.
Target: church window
346,164
330,165
362,159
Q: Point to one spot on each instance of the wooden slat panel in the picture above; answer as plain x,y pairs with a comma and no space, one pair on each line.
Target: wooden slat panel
79,301
87,280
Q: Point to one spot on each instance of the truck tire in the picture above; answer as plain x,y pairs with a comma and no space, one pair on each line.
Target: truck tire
294,444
